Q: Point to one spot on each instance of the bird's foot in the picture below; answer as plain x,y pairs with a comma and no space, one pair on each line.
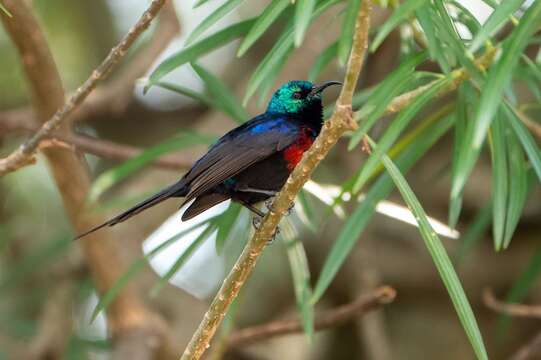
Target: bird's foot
268,204
256,222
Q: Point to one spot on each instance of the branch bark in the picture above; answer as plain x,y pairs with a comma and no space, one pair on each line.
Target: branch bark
518,310
340,122
127,315
326,319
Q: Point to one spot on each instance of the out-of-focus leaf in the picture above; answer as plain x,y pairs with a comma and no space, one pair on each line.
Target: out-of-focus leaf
276,55
348,29
199,3
202,98
303,15
322,61
301,277
494,22
134,268
474,233
262,23
199,48
441,260
222,96
499,77
526,139
109,178
269,82
212,19
356,222
394,130
305,211
401,13
520,289
384,93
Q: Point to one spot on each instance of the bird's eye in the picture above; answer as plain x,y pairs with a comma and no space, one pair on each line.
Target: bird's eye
297,95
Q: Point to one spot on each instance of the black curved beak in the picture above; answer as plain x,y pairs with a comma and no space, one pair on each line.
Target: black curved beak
319,88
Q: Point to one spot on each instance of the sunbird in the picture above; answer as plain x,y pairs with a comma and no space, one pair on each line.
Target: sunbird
250,163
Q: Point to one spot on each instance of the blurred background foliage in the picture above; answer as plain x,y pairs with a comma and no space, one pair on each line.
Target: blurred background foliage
334,249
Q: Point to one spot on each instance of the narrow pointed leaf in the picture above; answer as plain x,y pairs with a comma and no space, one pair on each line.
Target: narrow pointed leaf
348,30
356,222
401,14
222,95
441,260
262,23
199,48
5,11
495,21
435,47
202,98
212,19
303,14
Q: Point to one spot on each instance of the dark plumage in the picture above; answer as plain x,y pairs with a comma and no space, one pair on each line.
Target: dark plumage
250,163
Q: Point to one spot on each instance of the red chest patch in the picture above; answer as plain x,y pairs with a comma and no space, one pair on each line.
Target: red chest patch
293,153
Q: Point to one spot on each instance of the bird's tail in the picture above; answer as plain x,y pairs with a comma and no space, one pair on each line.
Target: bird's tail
175,190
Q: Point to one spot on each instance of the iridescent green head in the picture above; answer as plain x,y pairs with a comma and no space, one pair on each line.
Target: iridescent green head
297,97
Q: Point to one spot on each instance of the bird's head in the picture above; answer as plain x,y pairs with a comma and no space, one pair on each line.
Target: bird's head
298,96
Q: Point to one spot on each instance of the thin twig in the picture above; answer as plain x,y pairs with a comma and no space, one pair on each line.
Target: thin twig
531,350
340,122
519,310
324,320
20,156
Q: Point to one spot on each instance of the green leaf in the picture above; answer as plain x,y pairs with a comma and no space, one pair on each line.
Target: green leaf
322,61
198,49
401,13
262,23
303,15
301,277
394,130
495,21
212,19
222,96
441,260
498,79
526,139
278,53
355,224
111,293
187,92
500,180
435,47
5,11
225,223
199,3
109,178
348,30
384,93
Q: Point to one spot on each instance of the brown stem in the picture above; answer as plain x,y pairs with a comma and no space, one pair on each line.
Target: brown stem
127,314
340,122
519,310
324,320
531,350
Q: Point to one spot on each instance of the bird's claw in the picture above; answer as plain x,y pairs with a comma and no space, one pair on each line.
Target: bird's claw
269,202
256,222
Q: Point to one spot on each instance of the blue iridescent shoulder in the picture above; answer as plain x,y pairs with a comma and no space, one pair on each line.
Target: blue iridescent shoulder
272,123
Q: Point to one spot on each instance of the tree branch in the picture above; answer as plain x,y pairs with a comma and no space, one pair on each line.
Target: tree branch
519,310
530,350
340,122
21,156
326,319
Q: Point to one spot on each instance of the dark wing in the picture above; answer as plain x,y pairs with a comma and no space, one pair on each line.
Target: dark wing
235,151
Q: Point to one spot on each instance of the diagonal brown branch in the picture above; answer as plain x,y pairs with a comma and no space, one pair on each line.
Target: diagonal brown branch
326,319
340,122
22,155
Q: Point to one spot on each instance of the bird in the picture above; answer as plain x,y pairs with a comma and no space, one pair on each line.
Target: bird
250,163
